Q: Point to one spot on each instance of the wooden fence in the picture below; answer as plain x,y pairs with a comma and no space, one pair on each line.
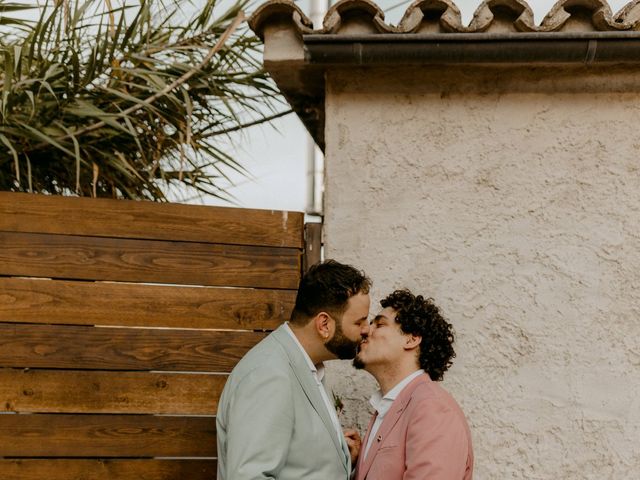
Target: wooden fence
118,323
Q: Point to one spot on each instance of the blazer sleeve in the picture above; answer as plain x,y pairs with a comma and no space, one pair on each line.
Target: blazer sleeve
259,425
437,444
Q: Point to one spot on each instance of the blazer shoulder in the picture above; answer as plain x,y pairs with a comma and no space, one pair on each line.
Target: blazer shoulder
432,404
432,395
267,356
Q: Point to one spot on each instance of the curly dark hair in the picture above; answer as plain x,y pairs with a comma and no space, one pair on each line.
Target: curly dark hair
421,317
327,286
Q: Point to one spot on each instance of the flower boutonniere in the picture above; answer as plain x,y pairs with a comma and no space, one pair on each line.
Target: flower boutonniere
337,403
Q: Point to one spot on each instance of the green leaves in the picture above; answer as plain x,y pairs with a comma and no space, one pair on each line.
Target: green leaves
139,95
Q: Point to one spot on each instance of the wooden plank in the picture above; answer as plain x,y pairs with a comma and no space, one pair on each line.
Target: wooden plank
81,469
312,245
55,346
28,213
52,435
88,303
93,258
60,391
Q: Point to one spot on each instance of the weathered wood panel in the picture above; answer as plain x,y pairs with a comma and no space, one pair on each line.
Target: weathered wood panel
72,389
93,258
312,245
22,212
60,391
54,346
80,469
88,303
51,435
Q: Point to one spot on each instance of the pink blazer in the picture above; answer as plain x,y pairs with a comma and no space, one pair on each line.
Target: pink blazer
424,436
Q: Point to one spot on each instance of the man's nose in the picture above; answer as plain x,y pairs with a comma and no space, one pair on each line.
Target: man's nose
364,330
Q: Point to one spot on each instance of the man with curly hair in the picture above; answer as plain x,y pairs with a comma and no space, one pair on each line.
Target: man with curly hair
418,431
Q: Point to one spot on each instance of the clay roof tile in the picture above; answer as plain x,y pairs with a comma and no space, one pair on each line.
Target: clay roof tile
442,16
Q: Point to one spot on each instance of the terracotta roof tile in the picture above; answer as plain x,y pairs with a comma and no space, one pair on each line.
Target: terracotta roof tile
443,16
280,10
355,17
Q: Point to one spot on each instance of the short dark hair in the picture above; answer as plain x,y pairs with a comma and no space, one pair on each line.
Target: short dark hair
421,317
327,286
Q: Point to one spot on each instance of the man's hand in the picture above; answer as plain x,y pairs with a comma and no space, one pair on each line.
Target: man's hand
354,442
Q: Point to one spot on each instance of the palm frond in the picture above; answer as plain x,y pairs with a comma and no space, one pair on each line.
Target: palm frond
131,92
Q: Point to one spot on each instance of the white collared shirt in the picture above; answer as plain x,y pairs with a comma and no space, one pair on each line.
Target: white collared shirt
318,375
383,404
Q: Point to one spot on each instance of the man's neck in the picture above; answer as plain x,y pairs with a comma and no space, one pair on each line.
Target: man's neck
389,377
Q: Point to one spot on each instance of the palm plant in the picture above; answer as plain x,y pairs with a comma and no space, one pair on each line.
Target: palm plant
129,100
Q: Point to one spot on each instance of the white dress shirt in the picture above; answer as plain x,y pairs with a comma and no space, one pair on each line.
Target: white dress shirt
318,375
383,404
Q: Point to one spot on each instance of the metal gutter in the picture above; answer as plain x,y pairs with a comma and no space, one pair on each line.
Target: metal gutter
586,48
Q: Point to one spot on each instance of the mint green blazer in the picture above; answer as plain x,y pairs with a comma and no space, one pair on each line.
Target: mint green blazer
272,422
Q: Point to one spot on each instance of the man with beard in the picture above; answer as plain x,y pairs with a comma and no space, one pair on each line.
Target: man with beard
275,419
418,431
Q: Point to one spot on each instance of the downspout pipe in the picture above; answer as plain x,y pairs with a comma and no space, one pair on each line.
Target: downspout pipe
586,48
315,157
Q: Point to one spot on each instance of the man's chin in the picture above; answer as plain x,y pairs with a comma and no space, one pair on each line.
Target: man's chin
358,364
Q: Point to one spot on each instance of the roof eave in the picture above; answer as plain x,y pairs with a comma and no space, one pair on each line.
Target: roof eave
583,48
354,35
301,77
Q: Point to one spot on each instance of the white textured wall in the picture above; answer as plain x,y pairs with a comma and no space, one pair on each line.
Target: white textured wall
513,199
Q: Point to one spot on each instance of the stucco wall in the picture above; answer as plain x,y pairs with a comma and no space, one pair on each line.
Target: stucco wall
513,199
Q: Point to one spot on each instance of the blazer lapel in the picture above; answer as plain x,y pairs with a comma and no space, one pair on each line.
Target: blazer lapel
391,418
341,441
361,458
307,382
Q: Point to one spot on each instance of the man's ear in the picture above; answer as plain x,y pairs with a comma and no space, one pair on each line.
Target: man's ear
412,341
323,324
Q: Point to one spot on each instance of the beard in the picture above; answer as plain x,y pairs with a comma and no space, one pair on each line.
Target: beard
358,364
341,346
